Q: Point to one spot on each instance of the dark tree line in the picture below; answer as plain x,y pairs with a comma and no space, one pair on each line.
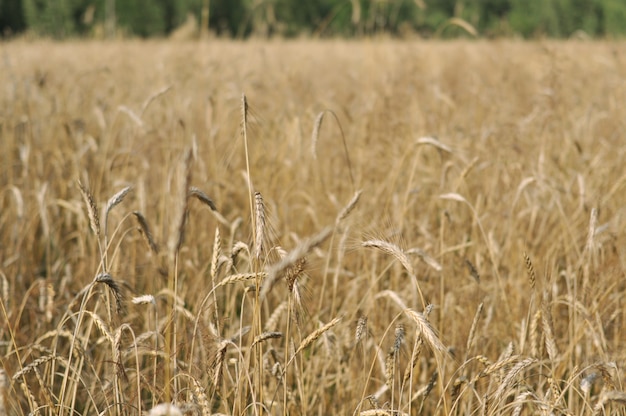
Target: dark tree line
242,18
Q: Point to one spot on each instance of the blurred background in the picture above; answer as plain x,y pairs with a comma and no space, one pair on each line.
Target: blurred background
106,19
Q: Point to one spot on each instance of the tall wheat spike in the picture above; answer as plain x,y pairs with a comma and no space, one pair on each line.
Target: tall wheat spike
259,210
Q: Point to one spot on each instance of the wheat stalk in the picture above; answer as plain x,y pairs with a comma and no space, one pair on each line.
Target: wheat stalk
259,210
108,280
241,277
470,337
394,250
361,329
345,211
313,336
547,326
202,197
426,331
510,377
291,258
265,336
115,200
92,209
400,255
532,278
472,269
177,232
144,228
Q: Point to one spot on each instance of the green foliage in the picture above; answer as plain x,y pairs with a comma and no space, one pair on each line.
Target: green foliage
142,17
51,18
310,18
11,17
242,18
533,17
230,17
613,16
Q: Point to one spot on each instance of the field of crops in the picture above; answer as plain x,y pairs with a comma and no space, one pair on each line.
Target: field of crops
312,228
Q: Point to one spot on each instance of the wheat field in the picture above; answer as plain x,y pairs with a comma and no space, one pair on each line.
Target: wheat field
312,228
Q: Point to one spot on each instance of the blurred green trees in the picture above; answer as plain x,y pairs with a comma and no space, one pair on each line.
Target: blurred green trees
242,18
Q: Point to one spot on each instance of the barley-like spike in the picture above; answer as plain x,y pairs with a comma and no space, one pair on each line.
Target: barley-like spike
300,251
108,280
424,392
117,355
241,277
202,197
112,203
103,327
530,270
534,333
361,329
316,334
554,392
472,270
316,132
399,338
426,331
238,247
548,331
244,112
417,350
392,249
520,401
218,363
299,308
507,382
177,233
199,394
433,141
36,363
593,221
470,337
390,367
494,367
456,389
265,336
260,225
92,209
215,265
145,231
116,200
431,383
153,97
294,271
217,250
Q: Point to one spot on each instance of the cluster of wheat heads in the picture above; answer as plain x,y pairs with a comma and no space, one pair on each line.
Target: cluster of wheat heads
137,277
